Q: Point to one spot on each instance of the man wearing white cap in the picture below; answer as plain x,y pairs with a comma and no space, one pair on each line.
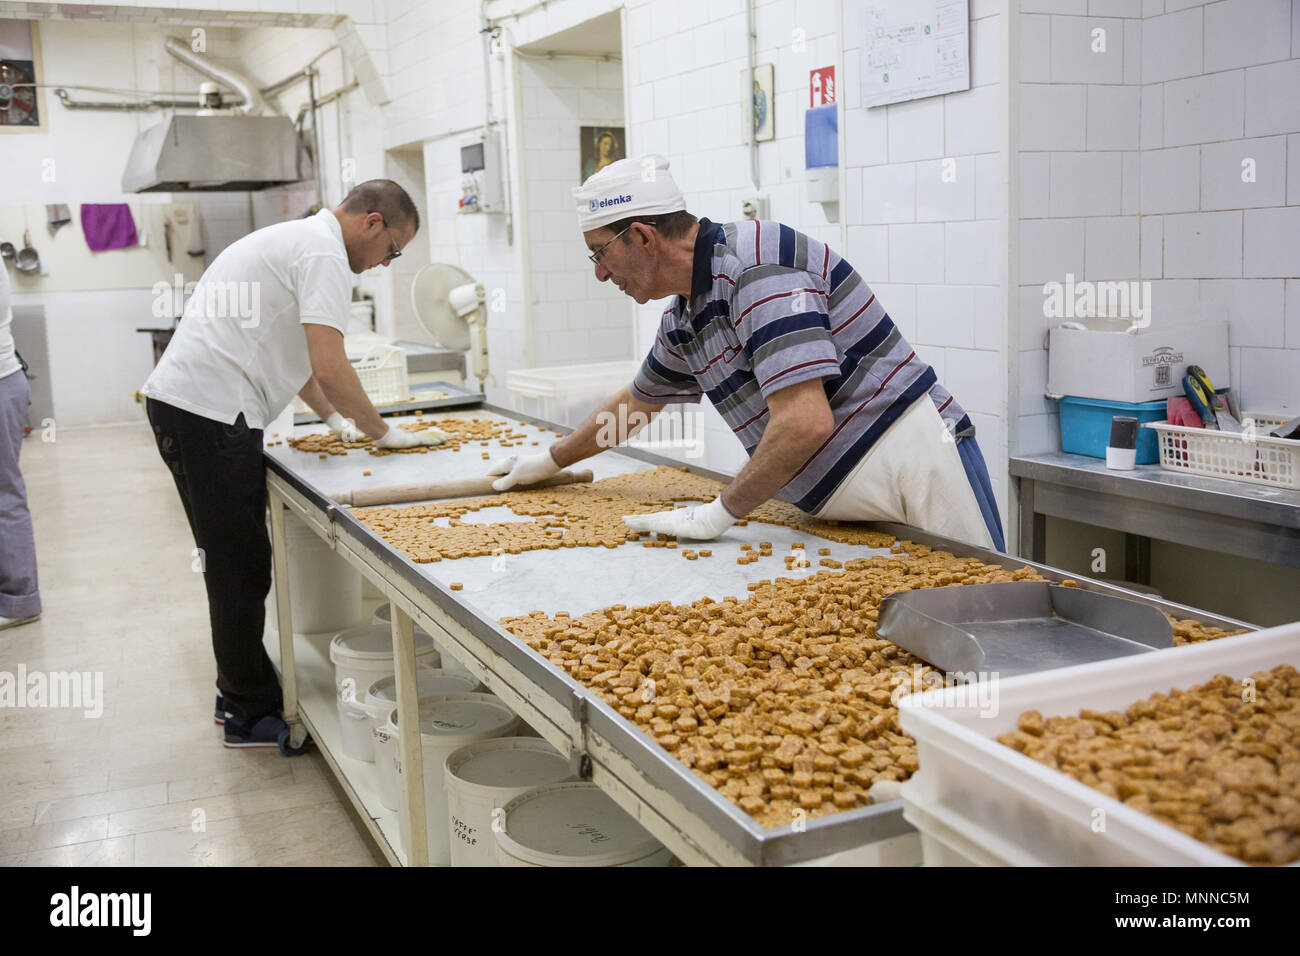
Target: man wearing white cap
839,415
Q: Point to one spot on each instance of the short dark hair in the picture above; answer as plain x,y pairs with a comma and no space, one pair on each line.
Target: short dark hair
386,198
672,225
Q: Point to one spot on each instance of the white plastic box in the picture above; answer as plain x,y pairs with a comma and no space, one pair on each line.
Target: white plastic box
1139,366
987,803
567,394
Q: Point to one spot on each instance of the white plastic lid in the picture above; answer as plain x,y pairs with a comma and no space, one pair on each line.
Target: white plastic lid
384,615
372,642
573,824
428,683
449,718
509,763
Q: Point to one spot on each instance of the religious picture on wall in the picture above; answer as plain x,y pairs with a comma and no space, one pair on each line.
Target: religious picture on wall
601,145
758,113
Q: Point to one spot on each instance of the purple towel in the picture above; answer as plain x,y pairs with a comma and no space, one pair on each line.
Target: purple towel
108,226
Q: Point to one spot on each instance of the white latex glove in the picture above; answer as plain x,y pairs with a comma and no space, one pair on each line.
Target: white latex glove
401,438
701,522
523,470
345,428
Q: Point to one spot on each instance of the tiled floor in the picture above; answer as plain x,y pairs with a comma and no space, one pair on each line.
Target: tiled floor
148,782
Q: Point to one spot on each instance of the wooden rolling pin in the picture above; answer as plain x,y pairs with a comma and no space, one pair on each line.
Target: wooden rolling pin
455,488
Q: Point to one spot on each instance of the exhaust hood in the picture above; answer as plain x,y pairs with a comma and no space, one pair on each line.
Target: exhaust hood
214,150
213,153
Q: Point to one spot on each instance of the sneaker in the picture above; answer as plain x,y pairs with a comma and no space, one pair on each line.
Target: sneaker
260,732
219,713
17,621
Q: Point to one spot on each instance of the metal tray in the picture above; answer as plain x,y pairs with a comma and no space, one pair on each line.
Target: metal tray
1018,627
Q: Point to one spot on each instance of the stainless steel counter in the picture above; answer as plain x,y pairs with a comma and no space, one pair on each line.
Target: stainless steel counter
690,817
1233,517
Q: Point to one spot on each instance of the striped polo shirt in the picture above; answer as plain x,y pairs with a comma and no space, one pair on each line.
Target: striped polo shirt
770,308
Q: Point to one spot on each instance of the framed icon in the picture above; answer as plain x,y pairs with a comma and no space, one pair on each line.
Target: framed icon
758,113
600,146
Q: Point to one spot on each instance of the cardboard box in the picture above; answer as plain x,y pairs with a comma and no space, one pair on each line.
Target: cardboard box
1137,366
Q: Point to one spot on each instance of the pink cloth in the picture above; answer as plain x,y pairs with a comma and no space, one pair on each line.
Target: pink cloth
1179,411
108,226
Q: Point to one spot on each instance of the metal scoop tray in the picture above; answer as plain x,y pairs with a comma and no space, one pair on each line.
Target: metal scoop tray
1019,627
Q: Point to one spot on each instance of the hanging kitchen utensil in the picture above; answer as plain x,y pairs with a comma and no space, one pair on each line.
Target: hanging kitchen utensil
28,259
7,250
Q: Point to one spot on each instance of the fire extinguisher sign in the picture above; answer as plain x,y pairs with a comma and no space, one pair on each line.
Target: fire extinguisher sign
821,86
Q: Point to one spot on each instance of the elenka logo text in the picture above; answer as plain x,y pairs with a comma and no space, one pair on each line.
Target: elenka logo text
594,204
103,909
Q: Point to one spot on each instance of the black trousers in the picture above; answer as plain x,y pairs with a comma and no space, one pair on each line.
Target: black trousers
219,473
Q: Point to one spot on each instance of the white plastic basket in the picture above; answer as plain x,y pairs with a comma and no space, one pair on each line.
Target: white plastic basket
382,371
1254,456
989,803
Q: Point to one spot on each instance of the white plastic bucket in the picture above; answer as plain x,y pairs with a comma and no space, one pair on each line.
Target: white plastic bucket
451,663
447,723
429,682
384,615
324,590
362,655
386,759
484,777
357,720
381,732
574,824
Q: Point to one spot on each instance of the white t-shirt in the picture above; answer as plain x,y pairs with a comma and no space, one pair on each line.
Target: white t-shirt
8,360
240,346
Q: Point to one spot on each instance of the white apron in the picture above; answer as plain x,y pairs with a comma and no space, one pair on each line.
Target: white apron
913,475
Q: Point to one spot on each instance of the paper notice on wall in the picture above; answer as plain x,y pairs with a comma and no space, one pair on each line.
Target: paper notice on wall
914,48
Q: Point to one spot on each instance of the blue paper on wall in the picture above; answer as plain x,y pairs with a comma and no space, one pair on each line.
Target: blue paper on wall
821,137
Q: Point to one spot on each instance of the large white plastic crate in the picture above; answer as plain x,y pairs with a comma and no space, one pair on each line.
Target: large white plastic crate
995,805
567,394
1255,457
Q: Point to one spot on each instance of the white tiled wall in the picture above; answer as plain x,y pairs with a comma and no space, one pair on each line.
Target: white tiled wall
925,232
1178,174
576,319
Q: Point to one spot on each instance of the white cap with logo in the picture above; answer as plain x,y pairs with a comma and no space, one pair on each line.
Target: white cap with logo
637,186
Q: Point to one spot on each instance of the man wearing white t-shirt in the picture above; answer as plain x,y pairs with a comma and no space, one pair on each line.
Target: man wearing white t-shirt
20,601
264,323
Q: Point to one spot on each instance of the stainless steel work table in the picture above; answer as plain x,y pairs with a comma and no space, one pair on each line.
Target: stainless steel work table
690,817
1232,517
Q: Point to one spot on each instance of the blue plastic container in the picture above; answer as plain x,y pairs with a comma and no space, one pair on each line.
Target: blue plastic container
1085,426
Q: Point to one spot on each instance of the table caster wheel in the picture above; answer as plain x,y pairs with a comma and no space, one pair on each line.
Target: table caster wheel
287,746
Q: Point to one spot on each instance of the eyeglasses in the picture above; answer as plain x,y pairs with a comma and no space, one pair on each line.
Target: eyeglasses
397,251
595,256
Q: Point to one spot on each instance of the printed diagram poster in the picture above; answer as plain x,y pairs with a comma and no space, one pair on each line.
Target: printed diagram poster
913,49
